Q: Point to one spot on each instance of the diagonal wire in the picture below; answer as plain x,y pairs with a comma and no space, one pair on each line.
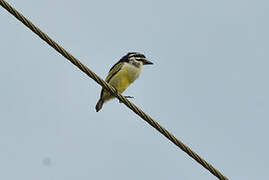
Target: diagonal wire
112,90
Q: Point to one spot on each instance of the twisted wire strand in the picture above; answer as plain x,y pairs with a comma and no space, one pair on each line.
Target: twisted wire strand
112,90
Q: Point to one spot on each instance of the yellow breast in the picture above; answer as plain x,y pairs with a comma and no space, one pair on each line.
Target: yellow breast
127,75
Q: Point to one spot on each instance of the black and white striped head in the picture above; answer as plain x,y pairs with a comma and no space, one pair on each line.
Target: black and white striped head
133,57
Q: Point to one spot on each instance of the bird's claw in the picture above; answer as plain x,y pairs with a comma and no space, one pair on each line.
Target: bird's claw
127,97
130,97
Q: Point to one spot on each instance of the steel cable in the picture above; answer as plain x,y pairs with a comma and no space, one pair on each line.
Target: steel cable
112,90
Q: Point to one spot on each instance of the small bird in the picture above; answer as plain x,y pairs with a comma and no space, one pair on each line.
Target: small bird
122,74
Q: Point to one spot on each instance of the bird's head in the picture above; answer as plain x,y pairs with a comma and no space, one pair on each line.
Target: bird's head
133,57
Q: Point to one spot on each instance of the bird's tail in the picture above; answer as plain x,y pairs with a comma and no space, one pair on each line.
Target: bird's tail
99,105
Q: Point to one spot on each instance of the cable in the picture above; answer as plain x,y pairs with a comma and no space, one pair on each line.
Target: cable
112,90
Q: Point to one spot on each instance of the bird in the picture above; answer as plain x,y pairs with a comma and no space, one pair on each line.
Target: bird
122,74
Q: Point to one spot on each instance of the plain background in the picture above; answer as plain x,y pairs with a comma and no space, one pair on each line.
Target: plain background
208,86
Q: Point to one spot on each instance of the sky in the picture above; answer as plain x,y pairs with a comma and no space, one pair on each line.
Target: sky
208,86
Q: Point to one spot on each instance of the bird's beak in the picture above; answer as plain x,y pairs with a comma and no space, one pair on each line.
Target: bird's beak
147,62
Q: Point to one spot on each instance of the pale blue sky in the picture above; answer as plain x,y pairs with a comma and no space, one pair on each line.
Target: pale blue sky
208,86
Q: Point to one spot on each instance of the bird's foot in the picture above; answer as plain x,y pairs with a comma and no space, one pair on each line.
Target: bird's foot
127,97
130,97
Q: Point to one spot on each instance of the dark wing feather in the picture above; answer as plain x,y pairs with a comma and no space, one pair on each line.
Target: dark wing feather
116,68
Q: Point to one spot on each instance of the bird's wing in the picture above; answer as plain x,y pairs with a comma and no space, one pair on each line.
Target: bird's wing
114,70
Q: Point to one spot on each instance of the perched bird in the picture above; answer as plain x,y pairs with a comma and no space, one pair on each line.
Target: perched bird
122,74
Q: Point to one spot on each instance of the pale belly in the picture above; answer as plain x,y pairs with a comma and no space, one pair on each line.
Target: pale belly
123,79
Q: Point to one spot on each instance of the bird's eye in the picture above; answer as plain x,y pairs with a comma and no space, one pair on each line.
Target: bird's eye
131,59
